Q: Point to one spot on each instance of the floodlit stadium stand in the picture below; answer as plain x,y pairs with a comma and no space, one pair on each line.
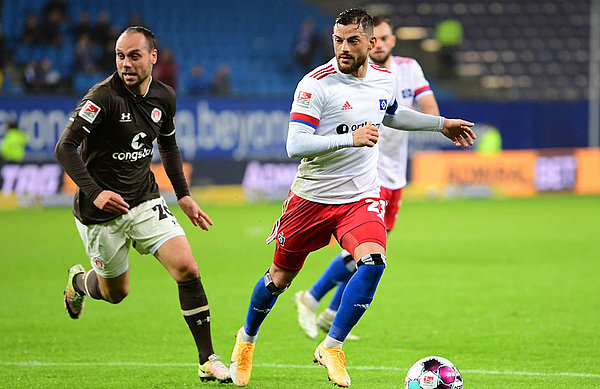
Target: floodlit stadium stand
512,50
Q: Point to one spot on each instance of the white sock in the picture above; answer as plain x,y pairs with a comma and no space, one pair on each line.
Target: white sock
247,338
310,300
329,342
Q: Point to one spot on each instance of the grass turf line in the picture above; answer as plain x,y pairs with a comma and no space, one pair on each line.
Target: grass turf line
495,286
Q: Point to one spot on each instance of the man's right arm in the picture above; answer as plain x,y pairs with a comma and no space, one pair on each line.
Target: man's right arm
69,158
85,119
302,143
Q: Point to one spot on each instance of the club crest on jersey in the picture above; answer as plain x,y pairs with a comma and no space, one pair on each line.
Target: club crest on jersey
281,239
406,93
382,104
89,111
303,99
98,263
346,106
156,115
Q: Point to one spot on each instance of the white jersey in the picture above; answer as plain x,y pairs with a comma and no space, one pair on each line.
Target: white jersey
393,144
329,102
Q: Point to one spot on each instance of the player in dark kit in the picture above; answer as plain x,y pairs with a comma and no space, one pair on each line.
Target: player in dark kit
117,202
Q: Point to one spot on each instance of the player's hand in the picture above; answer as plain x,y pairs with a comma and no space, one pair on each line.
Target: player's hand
459,132
197,216
112,202
366,136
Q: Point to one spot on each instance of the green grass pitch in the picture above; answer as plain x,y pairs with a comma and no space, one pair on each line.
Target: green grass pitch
509,290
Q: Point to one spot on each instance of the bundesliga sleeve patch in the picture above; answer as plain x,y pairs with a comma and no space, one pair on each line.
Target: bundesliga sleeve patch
89,111
303,99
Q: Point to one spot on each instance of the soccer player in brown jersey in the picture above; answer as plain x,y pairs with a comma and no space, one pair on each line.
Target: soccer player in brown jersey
117,202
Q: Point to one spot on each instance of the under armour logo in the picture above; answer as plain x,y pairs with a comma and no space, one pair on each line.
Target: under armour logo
200,321
125,117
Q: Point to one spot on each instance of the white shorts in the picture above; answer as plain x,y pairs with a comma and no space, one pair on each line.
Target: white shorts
148,225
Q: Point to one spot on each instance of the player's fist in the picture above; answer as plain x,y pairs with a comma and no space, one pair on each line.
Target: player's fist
366,135
459,132
112,202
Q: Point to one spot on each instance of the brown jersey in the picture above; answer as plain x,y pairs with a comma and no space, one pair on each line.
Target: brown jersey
116,130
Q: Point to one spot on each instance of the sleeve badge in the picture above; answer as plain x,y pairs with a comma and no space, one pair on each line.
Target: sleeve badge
89,111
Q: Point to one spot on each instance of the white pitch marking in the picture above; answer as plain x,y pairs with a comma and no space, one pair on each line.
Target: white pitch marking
283,366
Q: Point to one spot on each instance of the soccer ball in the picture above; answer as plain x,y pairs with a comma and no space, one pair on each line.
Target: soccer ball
433,373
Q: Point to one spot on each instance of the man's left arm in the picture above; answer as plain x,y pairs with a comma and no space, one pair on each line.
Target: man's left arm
173,163
428,104
423,95
457,130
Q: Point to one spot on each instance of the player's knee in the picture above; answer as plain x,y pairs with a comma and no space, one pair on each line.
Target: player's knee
374,261
116,296
276,283
188,271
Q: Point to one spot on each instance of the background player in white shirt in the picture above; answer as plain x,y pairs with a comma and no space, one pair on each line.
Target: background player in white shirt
336,112
412,88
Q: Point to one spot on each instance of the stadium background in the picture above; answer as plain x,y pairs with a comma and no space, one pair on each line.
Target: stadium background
511,299
523,67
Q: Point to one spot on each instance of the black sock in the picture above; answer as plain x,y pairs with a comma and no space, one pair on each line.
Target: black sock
92,288
194,307
78,283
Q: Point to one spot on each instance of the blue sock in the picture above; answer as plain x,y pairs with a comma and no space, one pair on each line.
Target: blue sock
263,298
358,295
337,297
340,270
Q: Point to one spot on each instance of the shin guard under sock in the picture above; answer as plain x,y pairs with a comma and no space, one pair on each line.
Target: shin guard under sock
263,298
194,307
358,295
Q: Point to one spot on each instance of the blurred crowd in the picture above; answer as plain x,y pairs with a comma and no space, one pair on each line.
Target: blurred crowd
89,42
93,45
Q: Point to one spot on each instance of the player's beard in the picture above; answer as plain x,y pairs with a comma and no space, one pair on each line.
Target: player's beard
382,61
140,78
354,66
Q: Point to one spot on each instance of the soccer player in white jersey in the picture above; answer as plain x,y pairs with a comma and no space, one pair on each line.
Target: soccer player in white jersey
334,122
412,88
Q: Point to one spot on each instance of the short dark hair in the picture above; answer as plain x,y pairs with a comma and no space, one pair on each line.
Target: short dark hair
356,16
377,20
150,39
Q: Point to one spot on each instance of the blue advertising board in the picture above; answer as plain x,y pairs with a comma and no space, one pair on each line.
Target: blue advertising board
245,129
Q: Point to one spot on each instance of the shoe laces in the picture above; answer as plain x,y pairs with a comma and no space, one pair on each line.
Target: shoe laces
215,360
339,355
74,298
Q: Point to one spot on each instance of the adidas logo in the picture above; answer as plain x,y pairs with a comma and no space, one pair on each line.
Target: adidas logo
346,106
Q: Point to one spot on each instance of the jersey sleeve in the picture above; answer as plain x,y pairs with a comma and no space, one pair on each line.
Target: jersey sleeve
420,85
86,119
307,106
168,126
169,151
306,112
90,112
